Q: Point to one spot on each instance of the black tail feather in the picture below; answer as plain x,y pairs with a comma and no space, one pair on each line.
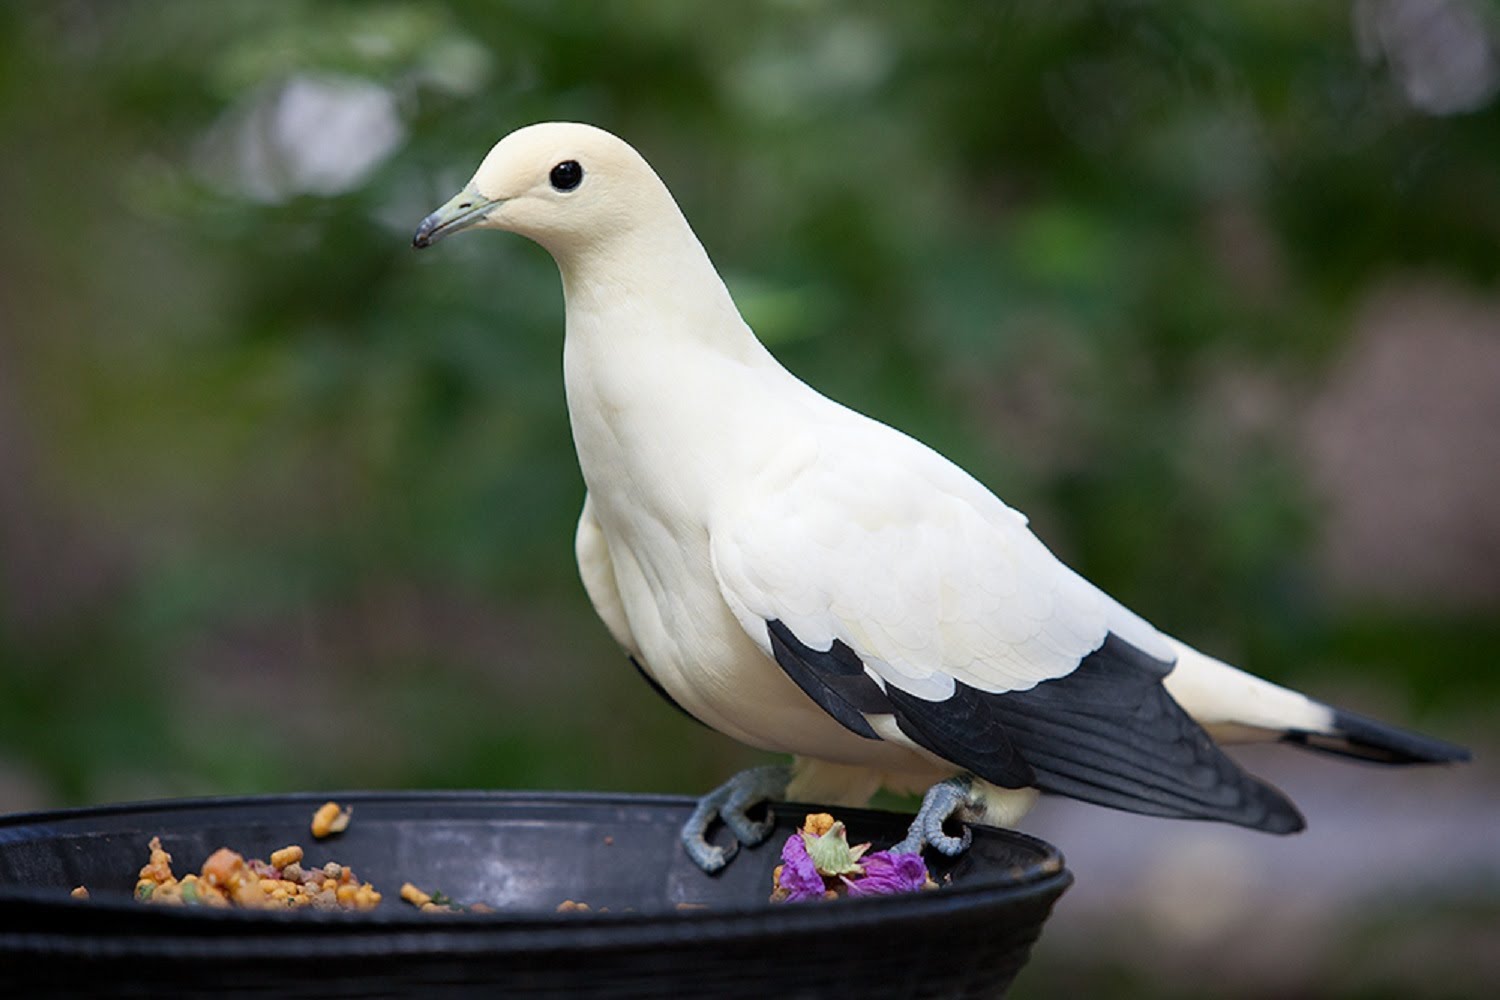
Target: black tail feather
1363,738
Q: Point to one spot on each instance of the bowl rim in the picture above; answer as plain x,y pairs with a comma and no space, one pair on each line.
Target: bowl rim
60,922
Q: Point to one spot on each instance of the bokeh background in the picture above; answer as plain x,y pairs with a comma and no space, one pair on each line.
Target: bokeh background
1209,290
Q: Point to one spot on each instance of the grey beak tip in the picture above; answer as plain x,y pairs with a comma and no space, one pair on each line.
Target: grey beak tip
463,211
422,238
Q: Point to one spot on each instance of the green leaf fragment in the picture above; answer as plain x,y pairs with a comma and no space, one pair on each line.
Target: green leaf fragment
831,853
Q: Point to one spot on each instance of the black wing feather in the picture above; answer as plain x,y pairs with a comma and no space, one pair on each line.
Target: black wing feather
1107,733
834,678
965,730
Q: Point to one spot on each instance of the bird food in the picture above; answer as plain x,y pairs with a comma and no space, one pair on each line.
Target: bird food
228,879
330,818
818,863
439,902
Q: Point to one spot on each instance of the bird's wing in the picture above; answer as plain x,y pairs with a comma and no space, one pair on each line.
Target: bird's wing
597,570
887,582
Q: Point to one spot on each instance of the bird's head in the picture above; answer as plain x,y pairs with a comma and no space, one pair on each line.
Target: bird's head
567,186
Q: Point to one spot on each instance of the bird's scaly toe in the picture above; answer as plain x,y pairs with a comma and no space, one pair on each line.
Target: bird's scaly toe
748,831
707,856
944,801
730,803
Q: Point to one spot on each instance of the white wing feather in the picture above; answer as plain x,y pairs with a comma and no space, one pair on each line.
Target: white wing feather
862,534
597,571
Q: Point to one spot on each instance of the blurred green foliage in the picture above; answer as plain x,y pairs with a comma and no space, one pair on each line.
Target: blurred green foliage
287,506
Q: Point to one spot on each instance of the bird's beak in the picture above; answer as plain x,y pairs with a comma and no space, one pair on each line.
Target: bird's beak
462,211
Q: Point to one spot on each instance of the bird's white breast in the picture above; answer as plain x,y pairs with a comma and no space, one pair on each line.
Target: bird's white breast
671,435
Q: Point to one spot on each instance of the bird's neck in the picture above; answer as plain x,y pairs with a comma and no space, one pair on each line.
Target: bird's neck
653,290
650,307
665,381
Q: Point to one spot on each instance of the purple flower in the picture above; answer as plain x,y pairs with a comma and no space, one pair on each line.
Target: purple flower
886,873
799,876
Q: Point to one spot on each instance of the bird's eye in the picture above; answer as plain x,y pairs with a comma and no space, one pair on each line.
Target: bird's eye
567,175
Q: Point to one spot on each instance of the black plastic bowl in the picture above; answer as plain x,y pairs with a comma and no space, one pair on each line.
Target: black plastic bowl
670,929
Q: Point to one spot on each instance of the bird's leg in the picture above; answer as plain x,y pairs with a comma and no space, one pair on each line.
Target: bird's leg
954,798
731,802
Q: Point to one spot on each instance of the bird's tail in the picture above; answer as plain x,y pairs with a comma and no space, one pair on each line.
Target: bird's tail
1363,738
1236,707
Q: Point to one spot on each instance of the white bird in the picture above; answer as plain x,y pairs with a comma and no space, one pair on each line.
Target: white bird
809,581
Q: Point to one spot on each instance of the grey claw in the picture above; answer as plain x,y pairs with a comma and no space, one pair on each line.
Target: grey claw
950,846
709,857
746,830
728,803
944,801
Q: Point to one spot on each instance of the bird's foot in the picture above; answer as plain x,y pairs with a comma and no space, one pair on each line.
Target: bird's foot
952,799
731,802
